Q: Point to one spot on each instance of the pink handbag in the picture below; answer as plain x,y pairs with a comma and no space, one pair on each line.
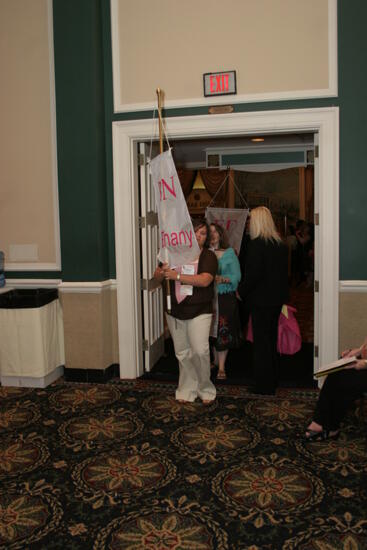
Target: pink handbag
289,335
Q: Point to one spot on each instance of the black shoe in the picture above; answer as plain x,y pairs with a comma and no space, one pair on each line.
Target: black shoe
312,435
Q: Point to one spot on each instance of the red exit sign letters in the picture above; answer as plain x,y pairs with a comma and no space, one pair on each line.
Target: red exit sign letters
223,83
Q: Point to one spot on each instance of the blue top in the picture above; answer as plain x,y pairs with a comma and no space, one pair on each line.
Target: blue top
229,266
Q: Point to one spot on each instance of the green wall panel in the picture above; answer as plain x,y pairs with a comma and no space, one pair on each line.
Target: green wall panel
352,18
81,139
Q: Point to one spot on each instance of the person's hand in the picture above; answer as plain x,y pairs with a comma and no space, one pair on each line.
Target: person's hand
220,279
361,364
169,274
159,273
351,352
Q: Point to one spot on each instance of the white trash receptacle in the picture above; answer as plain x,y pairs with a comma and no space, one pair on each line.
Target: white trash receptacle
32,338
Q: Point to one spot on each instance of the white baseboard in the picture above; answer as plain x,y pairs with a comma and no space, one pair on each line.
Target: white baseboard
31,382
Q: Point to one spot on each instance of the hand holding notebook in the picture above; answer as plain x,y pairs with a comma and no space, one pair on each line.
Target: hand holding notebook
344,363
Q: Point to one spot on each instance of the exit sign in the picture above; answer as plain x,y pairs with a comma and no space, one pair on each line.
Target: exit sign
223,83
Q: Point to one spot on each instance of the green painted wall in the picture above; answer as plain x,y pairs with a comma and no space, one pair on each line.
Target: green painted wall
81,139
84,124
352,38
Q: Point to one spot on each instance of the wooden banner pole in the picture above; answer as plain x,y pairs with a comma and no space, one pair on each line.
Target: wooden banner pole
159,95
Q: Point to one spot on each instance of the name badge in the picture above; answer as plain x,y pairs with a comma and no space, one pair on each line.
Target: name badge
187,269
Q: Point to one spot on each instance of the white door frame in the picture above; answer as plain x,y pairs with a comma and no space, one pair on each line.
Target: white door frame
126,134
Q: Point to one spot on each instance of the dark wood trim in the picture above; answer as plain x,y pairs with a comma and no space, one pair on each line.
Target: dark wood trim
94,376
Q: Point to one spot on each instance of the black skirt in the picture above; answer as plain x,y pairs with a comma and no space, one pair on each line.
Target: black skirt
229,334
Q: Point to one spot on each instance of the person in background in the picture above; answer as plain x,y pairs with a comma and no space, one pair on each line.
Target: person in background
264,288
303,235
192,293
338,393
243,309
292,243
227,330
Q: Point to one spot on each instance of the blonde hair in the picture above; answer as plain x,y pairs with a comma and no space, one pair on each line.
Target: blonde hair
262,225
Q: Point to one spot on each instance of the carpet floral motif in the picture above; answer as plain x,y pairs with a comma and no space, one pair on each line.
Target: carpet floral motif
115,426
279,414
335,533
346,455
13,393
268,487
19,455
83,397
28,515
169,527
16,416
219,436
125,466
124,474
167,408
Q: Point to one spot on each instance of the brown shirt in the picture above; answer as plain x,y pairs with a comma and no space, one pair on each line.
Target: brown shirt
201,300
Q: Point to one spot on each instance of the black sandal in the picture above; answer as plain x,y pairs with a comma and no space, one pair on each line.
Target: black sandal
322,435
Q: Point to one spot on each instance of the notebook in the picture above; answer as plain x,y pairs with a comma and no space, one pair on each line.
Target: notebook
340,364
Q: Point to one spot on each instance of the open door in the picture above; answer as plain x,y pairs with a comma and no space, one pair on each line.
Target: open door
152,294
316,255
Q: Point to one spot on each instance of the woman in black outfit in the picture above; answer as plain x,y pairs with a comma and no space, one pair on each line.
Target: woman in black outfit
264,288
337,394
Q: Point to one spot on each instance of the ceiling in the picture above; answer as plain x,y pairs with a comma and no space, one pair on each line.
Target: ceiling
192,153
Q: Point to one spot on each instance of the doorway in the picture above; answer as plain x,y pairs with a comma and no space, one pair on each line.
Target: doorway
276,171
324,122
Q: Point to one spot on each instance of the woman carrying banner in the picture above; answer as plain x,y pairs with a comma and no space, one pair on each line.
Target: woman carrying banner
226,329
264,288
192,292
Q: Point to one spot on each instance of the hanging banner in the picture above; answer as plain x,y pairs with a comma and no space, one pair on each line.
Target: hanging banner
177,241
233,220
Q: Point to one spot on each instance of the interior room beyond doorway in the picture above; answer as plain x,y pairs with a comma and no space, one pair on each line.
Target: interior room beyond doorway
281,177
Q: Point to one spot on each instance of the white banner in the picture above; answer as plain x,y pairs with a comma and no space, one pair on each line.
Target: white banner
177,241
233,220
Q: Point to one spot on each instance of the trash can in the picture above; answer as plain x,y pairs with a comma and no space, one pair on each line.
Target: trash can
31,337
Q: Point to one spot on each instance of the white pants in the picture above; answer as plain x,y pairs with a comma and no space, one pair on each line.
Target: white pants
191,341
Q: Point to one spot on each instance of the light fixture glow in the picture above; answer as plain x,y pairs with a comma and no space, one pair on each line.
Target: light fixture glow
256,139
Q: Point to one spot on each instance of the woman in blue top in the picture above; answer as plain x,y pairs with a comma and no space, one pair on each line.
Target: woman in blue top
226,329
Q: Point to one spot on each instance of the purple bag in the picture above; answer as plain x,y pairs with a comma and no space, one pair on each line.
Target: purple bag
289,335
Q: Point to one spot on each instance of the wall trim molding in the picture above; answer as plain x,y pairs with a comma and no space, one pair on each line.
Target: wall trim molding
32,266
56,265
93,287
331,91
323,122
353,286
32,283
55,178
65,287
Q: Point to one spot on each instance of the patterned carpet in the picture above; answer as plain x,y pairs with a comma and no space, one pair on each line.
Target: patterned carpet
125,466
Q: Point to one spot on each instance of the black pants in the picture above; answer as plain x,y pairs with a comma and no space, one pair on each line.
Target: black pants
337,394
265,356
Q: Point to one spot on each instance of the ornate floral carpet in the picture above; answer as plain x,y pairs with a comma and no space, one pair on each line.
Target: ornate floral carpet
125,466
